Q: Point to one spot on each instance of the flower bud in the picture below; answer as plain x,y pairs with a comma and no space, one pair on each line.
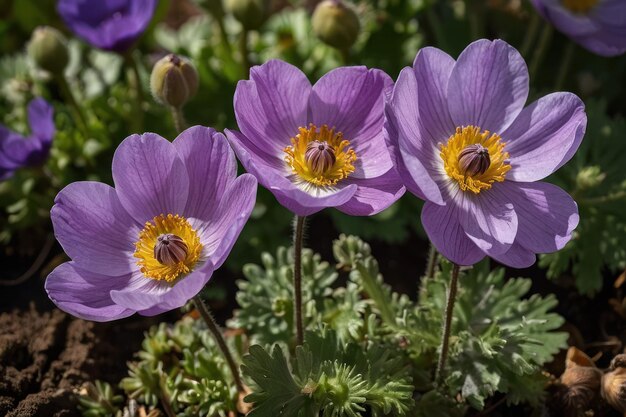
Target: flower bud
170,249
474,160
335,24
174,80
579,386
48,49
614,384
250,13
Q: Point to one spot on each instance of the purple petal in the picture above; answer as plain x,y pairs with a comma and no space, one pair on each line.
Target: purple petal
416,156
150,178
374,195
547,215
352,99
152,297
271,106
94,229
445,232
85,294
517,257
488,218
287,193
545,136
488,86
41,120
221,232
211,167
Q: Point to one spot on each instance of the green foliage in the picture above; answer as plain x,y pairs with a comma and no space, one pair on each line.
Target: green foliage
329,377
595,178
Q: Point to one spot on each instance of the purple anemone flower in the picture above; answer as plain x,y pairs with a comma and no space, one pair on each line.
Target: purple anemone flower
317,146
597,25
17,151
112,25
152,242
465,143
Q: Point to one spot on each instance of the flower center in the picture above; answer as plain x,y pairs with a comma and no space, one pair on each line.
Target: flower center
321,157
167,248
579,6
475,159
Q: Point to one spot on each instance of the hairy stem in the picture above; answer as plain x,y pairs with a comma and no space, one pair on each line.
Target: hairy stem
298,236
432,262
540,51
445,334
179,119
219,339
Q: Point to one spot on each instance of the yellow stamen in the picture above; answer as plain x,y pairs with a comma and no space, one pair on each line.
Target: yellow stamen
160,225
470,135
579,6
302,167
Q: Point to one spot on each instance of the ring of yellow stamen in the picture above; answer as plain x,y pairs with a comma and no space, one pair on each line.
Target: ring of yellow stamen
470,135
144,248
579,6
301,166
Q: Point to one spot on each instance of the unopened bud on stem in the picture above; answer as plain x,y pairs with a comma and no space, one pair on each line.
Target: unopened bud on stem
48,49
336,24
174,80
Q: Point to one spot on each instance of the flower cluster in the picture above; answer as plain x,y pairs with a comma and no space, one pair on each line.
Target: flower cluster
456,134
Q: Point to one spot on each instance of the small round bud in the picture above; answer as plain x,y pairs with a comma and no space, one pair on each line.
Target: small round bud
474,160
170,249
335,24
48,49
589,177
174,80
250,13
319,156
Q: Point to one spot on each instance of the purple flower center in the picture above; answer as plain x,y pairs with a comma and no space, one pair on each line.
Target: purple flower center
170,249
320,156
474,160
579,6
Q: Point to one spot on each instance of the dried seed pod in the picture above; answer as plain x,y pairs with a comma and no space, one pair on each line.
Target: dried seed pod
614,384
579,386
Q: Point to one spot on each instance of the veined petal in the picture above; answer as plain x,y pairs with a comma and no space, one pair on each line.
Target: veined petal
41,120
85,294
351,99
150,178
373,195
517,257
445,232
545,136
488,86
94,229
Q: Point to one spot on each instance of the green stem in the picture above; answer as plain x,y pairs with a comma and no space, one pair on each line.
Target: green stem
604,199
432,262
375,292
447,324
345,56
531,35
216,10
298,237
544,43
243,50
436,27
134,80
179,119
81,120
219,339
566,62
475,19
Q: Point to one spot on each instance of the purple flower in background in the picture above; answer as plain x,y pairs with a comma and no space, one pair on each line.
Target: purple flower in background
597,25
17,151
317,146
152,242
465,143
112,25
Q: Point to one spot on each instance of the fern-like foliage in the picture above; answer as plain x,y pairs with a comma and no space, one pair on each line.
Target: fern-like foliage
328,378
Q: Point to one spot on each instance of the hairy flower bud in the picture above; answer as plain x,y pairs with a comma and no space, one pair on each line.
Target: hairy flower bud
48,49
335,24
250,13
174,80
170,249
474,160
614,384
579,386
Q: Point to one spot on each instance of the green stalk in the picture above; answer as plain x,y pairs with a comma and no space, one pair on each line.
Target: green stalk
447,325
298,237
531,35
134,80
544,43
243,50
566,62
219,339
179,119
